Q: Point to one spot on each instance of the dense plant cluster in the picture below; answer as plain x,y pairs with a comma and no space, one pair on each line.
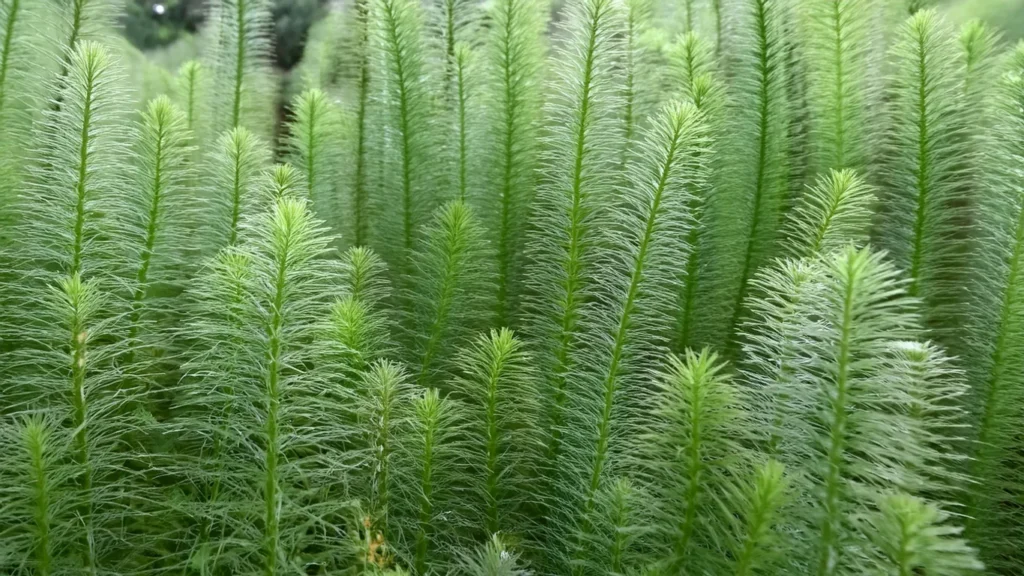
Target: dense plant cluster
613,287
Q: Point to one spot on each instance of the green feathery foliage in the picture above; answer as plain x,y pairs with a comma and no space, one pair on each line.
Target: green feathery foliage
284,181
841,406
385,395
916,538
756,180
20,91
757,549
276,423
576,182
156,222
32,497
427,475
71,385
996,354
465,99
449,294
360,200
978,109
312,135
513,53
233,187
843,82
452,23
497,389
492,559
567,287
693,71
364,275
924,146
638,16
79,177
357,327
695,457
78,20
65,216
239,62
191,77
621,507
833,213
408,194
630,334
978,45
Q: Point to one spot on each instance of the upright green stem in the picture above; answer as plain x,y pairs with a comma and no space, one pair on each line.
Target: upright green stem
694,471
426,492
612,375
142,275
312,123
463,98
404,127
574,251
270,491
41,489
765,70
923,168
511,109
828,564
493,450
80,415
83,167
359,193
839,101
5,50
240,56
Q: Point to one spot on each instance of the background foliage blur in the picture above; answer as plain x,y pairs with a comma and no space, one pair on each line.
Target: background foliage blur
1007,15
157,25
154,24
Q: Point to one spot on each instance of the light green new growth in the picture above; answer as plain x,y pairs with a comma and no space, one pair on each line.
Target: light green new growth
834,213
498,392
449,292
493,559
695,457
429,464
233,169
312,150
917,538
757,548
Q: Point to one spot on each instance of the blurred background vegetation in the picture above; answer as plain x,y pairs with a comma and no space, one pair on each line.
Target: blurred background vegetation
165,27
1007,15
156,25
